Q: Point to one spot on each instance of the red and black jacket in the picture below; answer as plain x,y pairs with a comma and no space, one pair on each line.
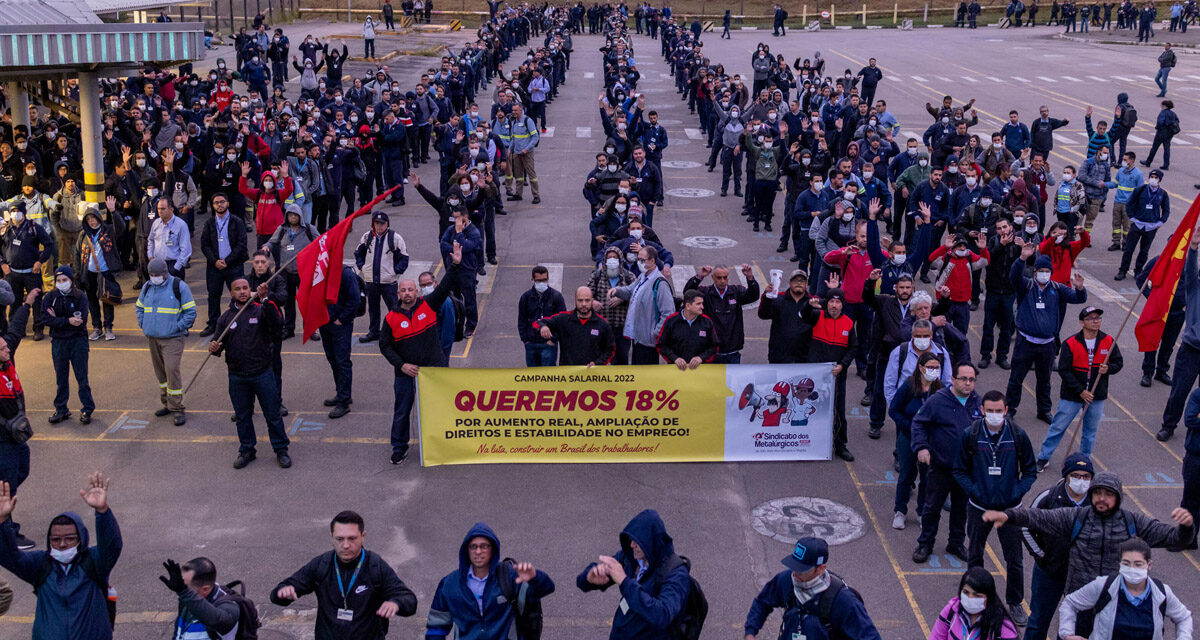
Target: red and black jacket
580,340
412,337
1079,369
678,339
833,339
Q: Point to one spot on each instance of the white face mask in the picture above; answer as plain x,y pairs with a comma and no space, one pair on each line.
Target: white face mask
985,202
1042,277
1017,220
952,168
1079,486
818,185
631,257
898,258
972,606
849,196
267,184
912,151
1058,239
644,266
621,209
962,253
18,216
847,217
932,374
179,146
868,176
636,234
612,168
923,162
541,287
945,120
1134,575
465,188
64,556
771,117
996,146
152,192
922,344
1152,182
63,286
1031,229
994,419
426,290
971,180
1067,177
140,163
806,161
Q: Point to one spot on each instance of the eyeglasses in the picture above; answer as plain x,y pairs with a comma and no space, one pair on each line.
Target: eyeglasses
483,546
965,379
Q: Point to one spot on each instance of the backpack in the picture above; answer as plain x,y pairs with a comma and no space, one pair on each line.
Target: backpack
248,621
1106,597
1080,514
175,289
904,355
362,297
1129,118
528,609
827,597
690,621
1173,127
88,566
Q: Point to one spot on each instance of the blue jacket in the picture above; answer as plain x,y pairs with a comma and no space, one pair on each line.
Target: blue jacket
1189,282
905,406
939,425
876,188
1013,455
1016,137
160,314
71,605
454,605
472,247
806,203
346,307
1151,206
938,199
1126,181
649,605
1043,322
848,616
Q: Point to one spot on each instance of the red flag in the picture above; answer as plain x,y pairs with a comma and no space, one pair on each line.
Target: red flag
320,268
1164,279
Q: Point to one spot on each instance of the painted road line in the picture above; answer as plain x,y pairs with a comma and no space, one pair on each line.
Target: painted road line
1146,78
995,79
680,274
693,133
1122,78
549,132
588,75
969,79
909,134
1136,140
583,132
1095,79
1047,79
1072,79
1096,286
1058,137
919,79
556,277
1019,79
417,267
944,79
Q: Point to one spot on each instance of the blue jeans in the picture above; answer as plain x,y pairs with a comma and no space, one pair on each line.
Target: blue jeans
540,354
335,340
909,470
1067,410
405,389
242,392
1161,79
67,354
1044,593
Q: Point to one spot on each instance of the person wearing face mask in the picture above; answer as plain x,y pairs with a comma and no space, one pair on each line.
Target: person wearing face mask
24,247
464,234
996,468
937,434
1126,604
381,257
731,125
906,171
955,263
70,579
1038,320
1127,179
976,611
936,195
611,274
256,74
834,339
97,258
1063,250
816,602
165,312
1094,534
1086,361
910,396
1149,207
650,300
1069,198
538,302
1050,554
65,311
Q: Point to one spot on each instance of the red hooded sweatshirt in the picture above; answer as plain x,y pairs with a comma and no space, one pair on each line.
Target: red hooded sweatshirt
268,205
1062,255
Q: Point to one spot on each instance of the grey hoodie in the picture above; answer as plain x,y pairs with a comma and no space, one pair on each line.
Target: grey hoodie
650,301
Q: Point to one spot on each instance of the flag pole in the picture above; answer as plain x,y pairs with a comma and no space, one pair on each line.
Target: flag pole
279,270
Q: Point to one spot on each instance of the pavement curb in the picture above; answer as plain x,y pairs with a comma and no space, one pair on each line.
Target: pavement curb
1174,45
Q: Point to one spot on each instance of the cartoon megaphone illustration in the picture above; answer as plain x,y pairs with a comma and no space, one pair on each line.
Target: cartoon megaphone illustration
749,397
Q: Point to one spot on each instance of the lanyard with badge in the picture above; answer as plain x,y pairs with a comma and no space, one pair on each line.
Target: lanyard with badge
994,469
346,614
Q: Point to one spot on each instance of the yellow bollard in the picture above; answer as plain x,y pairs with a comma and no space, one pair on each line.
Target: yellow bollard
804,15
832,16
896,13
864,14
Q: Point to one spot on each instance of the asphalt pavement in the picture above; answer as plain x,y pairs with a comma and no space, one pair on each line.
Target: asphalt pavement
176,495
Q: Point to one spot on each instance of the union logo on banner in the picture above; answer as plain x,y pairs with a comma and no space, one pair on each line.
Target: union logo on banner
322,262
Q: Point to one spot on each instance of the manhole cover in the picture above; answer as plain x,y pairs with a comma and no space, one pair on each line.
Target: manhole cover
690,192
709,242
680,164
789,519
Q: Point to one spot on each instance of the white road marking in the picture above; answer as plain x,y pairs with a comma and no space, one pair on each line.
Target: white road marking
994,79
1046,79
909,134
944,79
556,275
1097,79
680,274
1072,79
549,132
1061,138
919,79
1136,140
416,268
583,132
693,133
588,75
1096,285
969,79
1146,78
1019,79
1194,77
1122,78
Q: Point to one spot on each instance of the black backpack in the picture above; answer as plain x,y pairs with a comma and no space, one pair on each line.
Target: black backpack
690,621
1106,597
248,621
88,565
460,317
362,297
528,608
1129,118
827,597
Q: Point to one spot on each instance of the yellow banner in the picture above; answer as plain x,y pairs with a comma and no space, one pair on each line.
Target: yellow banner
624,414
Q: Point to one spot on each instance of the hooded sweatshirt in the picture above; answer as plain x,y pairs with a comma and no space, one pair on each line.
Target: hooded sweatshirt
1095,547
486,617
71,601
268,207
652,600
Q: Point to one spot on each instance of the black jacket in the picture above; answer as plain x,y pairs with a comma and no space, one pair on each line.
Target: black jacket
248,344
725,310
534,306
997,278
65,305
276,289
678,339
382,585
790,333
887,332
25,244
580,341
408,338
1049,552
236,231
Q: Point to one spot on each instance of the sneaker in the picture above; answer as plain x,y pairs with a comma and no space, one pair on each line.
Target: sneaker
1145,380
898,521
921,555
1042,464
25,544
244,459
96,335
957,550
399,458
284,460
109,335
1017,613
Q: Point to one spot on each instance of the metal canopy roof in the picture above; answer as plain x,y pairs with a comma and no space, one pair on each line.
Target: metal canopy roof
74,47
105,7
44,12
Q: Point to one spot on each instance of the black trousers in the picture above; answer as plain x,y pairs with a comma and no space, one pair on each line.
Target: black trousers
217,280
1010,546
942,484
1136,237
1160,361
1026,356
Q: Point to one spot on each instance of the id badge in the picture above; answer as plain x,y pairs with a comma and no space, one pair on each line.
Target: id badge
624,606
291,247
1039,305
994,471
345,615
16,243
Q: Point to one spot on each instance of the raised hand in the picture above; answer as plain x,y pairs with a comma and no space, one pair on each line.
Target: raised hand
95,494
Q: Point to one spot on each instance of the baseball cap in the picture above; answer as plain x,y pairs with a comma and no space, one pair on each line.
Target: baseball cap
808,553
798,273
1089,310
379,216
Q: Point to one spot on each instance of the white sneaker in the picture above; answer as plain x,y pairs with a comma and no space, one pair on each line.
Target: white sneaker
898,520
109,335
96,335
